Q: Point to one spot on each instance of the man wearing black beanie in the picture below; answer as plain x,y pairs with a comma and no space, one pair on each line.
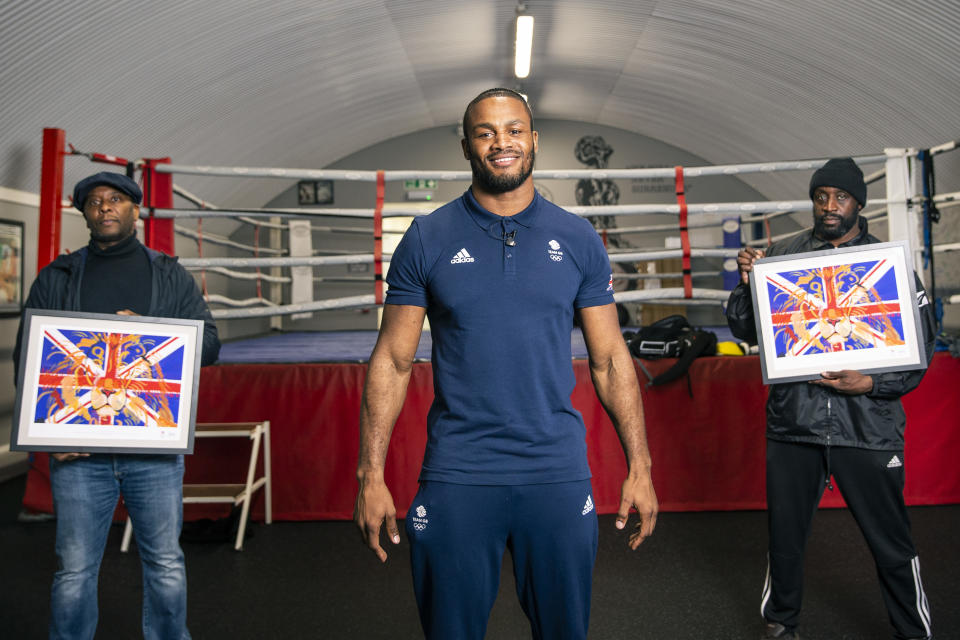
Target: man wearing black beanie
845,425
115,273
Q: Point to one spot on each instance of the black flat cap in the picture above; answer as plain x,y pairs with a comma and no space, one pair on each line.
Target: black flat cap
118,181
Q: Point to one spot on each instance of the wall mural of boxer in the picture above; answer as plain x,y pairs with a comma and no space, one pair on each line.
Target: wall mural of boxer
594,152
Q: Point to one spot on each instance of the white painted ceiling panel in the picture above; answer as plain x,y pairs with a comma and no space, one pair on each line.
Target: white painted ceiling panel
301,83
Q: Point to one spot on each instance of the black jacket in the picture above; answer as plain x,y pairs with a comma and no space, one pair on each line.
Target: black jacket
802,412
174,294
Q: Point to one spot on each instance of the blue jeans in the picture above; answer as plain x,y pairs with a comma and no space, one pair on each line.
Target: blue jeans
85,492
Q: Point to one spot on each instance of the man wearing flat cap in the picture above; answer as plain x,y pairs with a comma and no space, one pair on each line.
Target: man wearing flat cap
845,424
115,273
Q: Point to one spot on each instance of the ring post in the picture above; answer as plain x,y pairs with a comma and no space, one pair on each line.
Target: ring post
902,187
51,196
157,194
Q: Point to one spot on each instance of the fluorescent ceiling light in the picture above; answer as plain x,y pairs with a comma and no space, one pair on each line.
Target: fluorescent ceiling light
524,46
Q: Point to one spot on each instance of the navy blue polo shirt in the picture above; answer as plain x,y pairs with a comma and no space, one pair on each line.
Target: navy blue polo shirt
500,319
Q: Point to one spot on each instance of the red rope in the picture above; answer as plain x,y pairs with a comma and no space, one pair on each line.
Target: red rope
684,233
378,240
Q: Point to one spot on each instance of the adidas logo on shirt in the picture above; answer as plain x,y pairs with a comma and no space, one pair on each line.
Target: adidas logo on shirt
894,462
588,506
462,257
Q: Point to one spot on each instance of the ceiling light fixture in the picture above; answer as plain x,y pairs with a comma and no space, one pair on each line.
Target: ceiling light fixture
524,46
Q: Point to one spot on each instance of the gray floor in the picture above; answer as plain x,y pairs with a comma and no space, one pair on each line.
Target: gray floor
699,578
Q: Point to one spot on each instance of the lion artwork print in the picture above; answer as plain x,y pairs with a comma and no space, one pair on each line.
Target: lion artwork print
848,306
106,378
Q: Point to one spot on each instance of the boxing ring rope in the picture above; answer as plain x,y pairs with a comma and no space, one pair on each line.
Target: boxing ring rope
700,216
746,212
541,174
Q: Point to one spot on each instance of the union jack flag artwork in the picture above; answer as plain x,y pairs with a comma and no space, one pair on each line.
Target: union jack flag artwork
840,307
109,378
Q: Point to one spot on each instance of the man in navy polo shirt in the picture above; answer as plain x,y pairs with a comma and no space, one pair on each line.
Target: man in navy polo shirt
500,273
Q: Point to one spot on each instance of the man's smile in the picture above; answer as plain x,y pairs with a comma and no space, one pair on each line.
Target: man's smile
504,160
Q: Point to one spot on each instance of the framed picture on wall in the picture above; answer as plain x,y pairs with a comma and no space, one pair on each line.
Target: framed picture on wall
306,192
106,383
324,191
852,308
11,267
315,192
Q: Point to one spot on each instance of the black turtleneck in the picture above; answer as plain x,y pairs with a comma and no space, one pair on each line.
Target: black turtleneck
116,278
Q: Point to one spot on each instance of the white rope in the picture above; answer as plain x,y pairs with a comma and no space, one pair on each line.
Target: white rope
304,213
195,199
944,248
365,258
242,275
947,199
746,210
540,174
749,212
658,276
247,302
702,222
662,254
357,230
352,302
352,279
696,209
306,261
650,296
673,294
214,238
943,148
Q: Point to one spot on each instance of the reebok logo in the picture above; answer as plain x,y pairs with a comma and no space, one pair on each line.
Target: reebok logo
894,462
587,507
462,257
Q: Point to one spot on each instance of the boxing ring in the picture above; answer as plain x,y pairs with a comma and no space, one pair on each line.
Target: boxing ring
708,450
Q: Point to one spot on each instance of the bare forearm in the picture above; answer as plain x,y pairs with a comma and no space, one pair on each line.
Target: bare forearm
616,384
383,397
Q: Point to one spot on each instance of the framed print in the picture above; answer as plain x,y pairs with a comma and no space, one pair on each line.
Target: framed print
11,267
851,308
306,192
106,383
324,191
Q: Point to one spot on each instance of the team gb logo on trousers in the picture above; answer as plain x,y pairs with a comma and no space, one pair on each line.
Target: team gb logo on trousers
420,520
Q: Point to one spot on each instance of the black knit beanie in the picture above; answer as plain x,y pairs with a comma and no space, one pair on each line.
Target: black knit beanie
842,173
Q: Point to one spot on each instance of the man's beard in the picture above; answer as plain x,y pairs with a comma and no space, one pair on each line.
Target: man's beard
827,233
493,183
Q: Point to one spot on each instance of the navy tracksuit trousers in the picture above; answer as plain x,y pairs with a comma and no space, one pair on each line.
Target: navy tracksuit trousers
458,534
872,485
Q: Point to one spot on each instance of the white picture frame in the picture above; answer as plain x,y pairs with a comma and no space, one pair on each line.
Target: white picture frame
102,383
850,308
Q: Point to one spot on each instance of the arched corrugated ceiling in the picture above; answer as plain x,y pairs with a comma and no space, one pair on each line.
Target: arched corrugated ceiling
301,83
